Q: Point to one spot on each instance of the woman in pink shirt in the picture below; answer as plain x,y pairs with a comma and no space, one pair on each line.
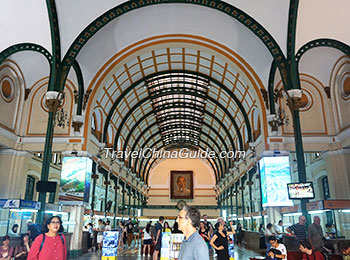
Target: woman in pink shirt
50,245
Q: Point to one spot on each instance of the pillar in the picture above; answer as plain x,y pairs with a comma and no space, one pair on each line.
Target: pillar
77,215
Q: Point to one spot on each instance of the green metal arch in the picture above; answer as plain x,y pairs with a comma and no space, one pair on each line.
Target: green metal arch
25,47
138,169
116,103
242,17
202,132
271,85
56,47
240,106
155,123
204,123
40,49
322,43
209,98
80,79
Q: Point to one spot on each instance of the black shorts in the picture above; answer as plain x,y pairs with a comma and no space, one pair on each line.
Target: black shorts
147,241
158,245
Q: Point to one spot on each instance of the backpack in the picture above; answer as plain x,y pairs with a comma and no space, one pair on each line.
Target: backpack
42,242
35,230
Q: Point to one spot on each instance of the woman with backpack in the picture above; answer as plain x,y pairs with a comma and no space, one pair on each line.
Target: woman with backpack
50,245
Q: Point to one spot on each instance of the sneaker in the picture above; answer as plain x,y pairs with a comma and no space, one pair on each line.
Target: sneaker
149,255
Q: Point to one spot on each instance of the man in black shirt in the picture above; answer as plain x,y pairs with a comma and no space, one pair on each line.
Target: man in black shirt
158,238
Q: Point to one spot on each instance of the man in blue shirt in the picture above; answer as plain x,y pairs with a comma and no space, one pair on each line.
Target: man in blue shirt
194,246
158,240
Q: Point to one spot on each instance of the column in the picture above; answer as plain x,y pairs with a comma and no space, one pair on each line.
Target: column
123,200
129,204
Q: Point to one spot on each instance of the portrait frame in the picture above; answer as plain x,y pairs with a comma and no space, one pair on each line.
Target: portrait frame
174,188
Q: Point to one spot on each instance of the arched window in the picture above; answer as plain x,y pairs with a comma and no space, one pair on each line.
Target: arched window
29,188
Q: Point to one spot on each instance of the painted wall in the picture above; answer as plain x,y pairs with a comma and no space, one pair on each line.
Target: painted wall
203,184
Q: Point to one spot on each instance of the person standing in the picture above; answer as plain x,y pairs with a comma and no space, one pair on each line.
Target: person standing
203,231
298,230
166,227
219,240
22,250
193,247
208,225
316,233
129,232
6,251
158,238
91,236
49,245
175,229
239,234
147,240
108,226
100,229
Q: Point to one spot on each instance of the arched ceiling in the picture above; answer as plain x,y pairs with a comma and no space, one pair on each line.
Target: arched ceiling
32,23
186,95
171,91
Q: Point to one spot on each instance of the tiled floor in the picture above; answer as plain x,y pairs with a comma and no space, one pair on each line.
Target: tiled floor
134,254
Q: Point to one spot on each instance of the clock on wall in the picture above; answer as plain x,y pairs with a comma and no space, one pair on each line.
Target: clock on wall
180,204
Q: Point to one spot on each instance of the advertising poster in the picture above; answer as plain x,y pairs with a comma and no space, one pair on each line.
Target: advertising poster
275,174
110,245
231,248
164,251
75,179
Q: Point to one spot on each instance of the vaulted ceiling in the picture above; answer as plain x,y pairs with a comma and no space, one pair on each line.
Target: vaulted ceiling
170,74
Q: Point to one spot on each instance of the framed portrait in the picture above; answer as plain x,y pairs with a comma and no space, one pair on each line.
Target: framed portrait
181,184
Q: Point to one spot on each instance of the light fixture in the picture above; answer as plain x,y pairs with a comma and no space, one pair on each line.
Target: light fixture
293,97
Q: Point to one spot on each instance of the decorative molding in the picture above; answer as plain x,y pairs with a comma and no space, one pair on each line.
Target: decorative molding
9,151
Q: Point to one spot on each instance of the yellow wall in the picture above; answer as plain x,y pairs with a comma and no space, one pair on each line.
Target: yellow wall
203,184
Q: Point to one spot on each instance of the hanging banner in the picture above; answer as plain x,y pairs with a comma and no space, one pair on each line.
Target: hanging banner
274,176
75,180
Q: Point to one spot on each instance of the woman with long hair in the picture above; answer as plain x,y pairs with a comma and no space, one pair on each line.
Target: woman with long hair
147,240
22,250
176,229
166,227
50,245
204,232
219,240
